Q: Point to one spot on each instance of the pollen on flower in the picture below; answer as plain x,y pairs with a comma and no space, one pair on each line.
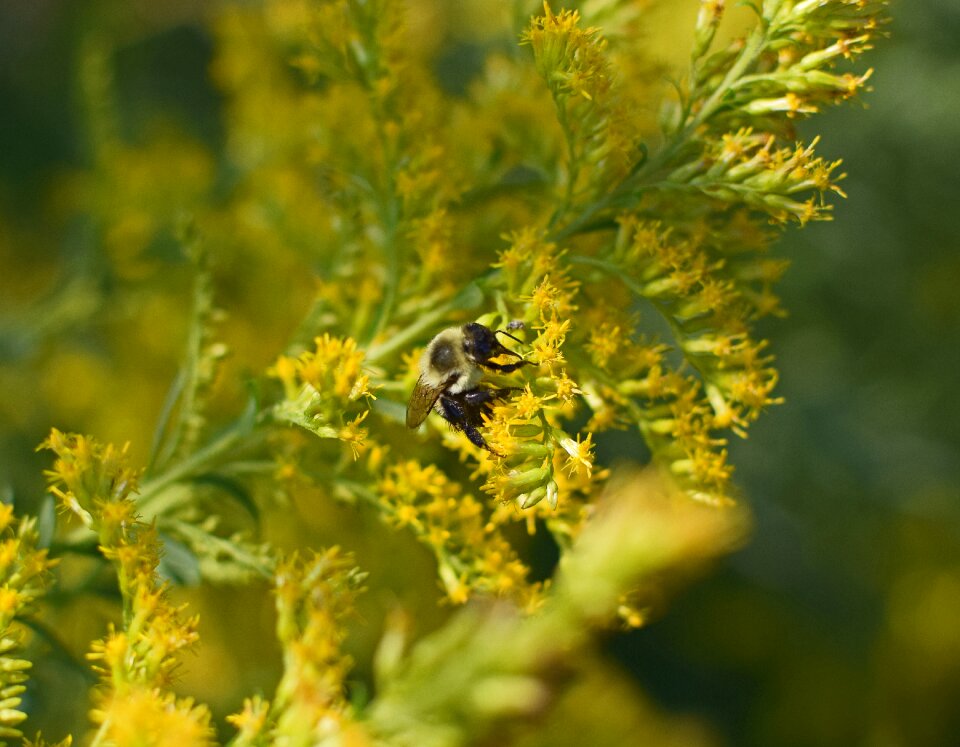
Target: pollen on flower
526,405
111,651
116,515
458,591
315,595
10,601
545,297
499,434
580,454
354,435
326,391
549,342
606,339
552,301
9,550
454,525
333,367
86,472
252,719
287,371
711,467
6,516
128,716
566,387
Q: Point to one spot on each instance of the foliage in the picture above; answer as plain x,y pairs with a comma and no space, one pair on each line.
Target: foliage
628,256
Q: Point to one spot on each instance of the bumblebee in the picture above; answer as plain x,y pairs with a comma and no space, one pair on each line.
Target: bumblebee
451,369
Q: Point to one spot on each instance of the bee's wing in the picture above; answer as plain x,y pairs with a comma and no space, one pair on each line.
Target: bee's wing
421,402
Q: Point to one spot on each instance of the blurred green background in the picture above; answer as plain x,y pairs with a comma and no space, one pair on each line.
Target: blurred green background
838,624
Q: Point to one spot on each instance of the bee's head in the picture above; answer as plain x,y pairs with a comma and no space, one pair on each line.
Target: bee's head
480,343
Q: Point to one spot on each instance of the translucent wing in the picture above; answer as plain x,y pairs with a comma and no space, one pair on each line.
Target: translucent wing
421,402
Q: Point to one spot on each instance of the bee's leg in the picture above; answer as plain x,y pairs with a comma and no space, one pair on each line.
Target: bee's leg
460,417
480,398
476,439
463,414
506,367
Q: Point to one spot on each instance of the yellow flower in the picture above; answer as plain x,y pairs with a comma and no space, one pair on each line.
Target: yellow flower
606,340
10,601
354,435
547,346
323,388
141,717
251,721
287,370
6,516
581,458
526,405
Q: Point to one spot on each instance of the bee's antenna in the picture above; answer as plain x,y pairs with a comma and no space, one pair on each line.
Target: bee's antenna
503,332
511,352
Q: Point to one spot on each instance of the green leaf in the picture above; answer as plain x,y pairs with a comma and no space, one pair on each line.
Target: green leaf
178,564
390,409
232,488
469,297
46,521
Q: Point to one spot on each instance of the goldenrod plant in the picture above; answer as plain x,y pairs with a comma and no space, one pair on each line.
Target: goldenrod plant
619,229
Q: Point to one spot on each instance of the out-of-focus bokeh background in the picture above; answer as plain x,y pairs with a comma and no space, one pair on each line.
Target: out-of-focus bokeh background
838,624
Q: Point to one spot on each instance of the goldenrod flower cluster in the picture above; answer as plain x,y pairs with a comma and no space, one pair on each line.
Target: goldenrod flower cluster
323,387
473,556
539,456
785,69
136,661
496,665
745,168
628,266
88,477
315,596
598,122
24,576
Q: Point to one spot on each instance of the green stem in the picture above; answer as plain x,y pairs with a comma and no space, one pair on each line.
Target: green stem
239,435
573,162
101,733
648,173
752,49
390,218
403,338
468,297
200,538
618,272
